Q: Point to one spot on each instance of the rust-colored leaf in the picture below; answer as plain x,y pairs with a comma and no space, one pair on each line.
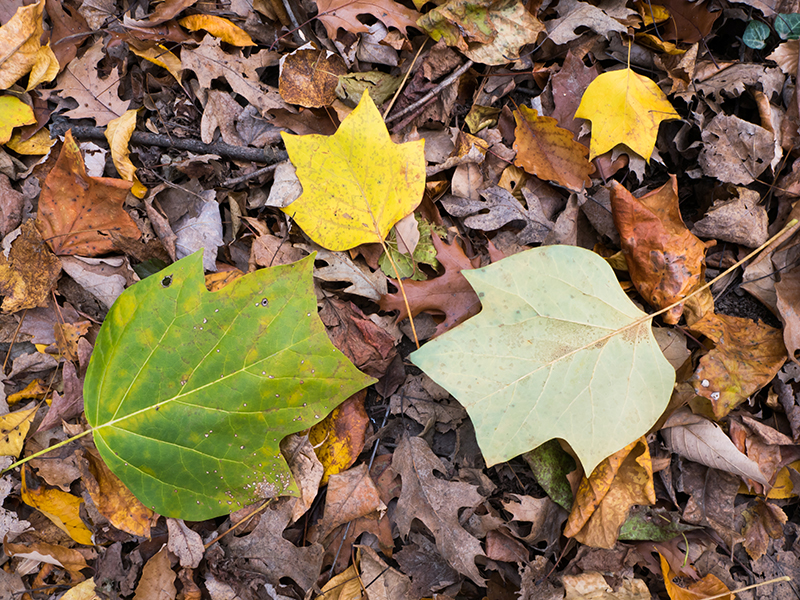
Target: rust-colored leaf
546,150
601,505
78,213
746,357
666,261
28,272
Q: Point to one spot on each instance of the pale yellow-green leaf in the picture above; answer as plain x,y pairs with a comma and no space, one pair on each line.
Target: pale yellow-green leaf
356,183
118,134
13,113
218,27
14,427
624,108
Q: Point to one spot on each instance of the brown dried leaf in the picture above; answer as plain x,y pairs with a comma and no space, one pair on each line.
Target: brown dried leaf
309,77
184,543
666,261
344,13
351,494
762,522
29,272
158,578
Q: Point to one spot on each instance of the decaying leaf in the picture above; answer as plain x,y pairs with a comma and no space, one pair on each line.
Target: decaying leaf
334,14
28,272
345,201
746,357
735,150
309,77
605,497
77,212
666,261
740,220
14,427
624,108
340,437
61,508
546,150
763,521
552,359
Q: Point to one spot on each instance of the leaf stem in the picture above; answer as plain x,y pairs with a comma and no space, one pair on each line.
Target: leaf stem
47,450
748,587
402,291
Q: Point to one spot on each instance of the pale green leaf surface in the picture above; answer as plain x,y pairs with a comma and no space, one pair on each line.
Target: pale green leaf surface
541,360
189,392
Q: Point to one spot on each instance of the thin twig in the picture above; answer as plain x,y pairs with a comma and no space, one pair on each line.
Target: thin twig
247,177
442,84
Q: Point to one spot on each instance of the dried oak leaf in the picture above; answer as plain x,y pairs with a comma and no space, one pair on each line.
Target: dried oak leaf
449,294
77,212
746,357
604,498
344,13
666,261
436,503
546,150
29,272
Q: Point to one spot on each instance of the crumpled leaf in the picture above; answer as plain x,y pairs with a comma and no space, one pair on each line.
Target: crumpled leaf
666,261
555,361
334,14
68,405
267,365
340,437
77,212
13,113
184,543
763,521
591,585
218,27
61,508
740,220
624,108
157,54
491,32
309,77
30,271
97,98
21,49
70,559
164,12
200,228
351,494
341,268
14,427
603,500
118,134
436,503
745,358
574,14
346,201
546,150
735,150
710,585
502,208
448,294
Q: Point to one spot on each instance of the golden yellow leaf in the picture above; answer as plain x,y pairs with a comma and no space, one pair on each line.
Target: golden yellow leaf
624,108
158,55
339,438
45,67
61,508
344,586
83,591
356,183
14,427
13,113
219,28
20,43
36,145
34,390
118,134
709,585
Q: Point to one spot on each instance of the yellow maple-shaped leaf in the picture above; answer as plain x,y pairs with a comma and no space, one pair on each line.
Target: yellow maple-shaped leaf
14,427
61,508
118,134
624,108
219,28
357,183
13,113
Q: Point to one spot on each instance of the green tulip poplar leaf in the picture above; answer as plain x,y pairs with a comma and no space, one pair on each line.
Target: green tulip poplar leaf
189,392
557,351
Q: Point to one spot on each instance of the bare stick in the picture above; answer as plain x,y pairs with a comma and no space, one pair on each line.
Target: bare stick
443,84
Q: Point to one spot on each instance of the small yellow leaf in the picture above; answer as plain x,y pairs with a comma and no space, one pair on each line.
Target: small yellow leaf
118,134
36,145
13,429
219,28
624,108
158,55
83,591
45,67
61,508
356,183
13,113
35,390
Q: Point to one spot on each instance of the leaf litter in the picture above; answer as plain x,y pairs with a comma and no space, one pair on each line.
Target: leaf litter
608,154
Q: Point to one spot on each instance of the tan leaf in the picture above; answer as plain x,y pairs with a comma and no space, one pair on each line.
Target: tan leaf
158,578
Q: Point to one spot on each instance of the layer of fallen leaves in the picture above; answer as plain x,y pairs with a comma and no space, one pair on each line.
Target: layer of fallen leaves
672,153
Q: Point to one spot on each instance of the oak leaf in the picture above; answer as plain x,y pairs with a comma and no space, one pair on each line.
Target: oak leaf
347,200
604,498
546,150
666,261
746,357
335,14
624,108
77,213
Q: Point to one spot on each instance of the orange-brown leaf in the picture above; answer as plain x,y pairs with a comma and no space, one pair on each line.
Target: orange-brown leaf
604,499
344,13
546,150
666,261
309,77
78,213
746,357
339,438
709,585
28,272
